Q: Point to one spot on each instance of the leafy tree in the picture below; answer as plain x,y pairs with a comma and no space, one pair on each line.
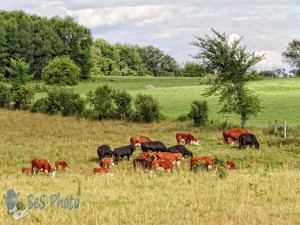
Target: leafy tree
232,64
18,72
5,96
193,69
147,109
61,71
23,97
199,112
292,55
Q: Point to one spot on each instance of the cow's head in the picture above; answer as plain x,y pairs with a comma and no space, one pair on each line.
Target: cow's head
194,142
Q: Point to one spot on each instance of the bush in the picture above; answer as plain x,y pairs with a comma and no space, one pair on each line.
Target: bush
5,96
123,104
182,118
147,109
22,98
198,113
61,71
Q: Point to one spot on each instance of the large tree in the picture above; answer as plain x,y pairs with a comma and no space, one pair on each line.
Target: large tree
292,55
232,65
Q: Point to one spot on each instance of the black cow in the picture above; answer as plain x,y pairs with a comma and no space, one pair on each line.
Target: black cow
248,139
180,149
123,151
154,146
104,150
144,163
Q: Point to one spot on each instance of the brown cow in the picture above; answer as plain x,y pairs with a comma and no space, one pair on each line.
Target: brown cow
63,164
102,171
138,140
187,138
42,165
26,170
165,165
233,134
106,163
175,158
209,162
230,165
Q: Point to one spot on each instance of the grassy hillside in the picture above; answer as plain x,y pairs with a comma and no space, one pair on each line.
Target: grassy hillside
280,97
263,190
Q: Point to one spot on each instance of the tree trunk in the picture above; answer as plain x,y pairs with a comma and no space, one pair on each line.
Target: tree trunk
243,121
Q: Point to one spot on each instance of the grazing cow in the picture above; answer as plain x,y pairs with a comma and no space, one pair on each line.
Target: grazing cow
63,164
165,165
102,171
123,151
230,165
138,140
175,158
155,146
106,163
187,138
42,165
146,164
104,150
180,149
233,134
26,170
209,162
248,139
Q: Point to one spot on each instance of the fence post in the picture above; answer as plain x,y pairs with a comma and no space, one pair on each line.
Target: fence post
275,127
284,128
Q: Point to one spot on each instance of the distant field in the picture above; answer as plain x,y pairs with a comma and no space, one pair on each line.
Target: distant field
280,97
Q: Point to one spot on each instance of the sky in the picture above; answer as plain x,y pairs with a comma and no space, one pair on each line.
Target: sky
266,26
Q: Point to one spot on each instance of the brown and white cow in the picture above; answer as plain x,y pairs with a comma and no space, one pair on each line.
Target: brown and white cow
138,140
209,162
165,165
63,164
175,158
233,134
230,165
42,165
106,163
187,138
102,171
26,170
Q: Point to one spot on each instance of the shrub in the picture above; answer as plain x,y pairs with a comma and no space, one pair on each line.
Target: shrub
198,113
123,104
147,109
61,71
182,118
5,96
22,97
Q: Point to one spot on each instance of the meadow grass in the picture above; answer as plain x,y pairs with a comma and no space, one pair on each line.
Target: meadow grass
279,97
263,190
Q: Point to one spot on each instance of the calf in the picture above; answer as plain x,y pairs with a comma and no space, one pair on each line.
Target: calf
155,146
248,139
230,165
42,165
138,140
175,158
104,150
123,151
106,163
102,171
187,138
207,160
165,165
26,170
180,149
63,164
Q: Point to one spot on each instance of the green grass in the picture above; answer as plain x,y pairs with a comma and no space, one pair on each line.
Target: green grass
280,97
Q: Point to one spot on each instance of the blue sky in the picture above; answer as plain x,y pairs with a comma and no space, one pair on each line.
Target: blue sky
266,26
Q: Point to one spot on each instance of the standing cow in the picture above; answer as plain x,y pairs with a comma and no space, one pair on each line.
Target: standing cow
123,151
187,138
42,165
180,149
233,134
104,150
248,139
138,140
154,146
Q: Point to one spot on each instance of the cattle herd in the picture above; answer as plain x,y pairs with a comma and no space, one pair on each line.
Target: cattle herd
154,154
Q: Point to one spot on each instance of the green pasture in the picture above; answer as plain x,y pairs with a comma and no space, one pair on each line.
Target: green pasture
280,97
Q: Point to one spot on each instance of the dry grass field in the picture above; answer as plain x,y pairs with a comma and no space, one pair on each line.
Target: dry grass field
265,188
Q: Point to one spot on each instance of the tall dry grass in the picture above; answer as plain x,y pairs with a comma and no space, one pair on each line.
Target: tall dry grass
263,190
